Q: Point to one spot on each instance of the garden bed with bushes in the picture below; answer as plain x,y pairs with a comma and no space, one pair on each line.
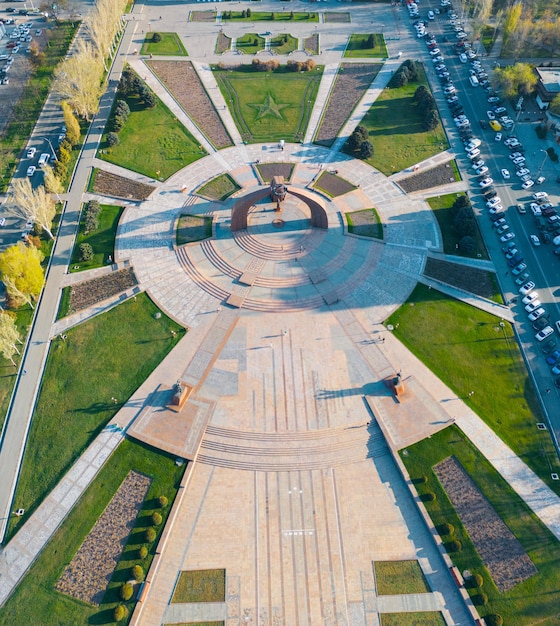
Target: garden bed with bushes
108,184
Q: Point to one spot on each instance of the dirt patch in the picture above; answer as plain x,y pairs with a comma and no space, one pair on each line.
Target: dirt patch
471,279
311,44
202,16
182,81
90,571
223,43
268,170
108,184
441,175
336,17
90,292
351,82
503,555
333,185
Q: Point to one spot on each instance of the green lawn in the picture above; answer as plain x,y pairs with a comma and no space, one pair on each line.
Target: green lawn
399,577
396,131
412,619
469,350
193,228
269,106
170,45
218,188
276,16
365,223
81,377
358,47
35,601
102,240
284,44
534,601
250,43
442,206
153,142
35,92
208,585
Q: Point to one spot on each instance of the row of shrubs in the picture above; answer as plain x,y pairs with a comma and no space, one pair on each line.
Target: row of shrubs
452,544
272,65
137,571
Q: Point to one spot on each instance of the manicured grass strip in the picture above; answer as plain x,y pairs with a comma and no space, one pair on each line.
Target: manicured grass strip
101,240
35,600
250,43
396,129
205,585
106,357
470,351
398,577
283,44
276,16
365,223
424,618
534,601
442,206
193,228
269,106
218,188
153,142
34,94
64,304
170,45
366,47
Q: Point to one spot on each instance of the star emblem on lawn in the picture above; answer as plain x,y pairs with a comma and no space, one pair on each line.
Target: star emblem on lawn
269,107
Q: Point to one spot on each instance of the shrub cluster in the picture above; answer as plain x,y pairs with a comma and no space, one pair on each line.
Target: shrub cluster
427,107
359,142
156,38
265,66
138,573
302,66
464,223
86,252
132,85
120,115
92,210
552,154
120,612
407,73
126,591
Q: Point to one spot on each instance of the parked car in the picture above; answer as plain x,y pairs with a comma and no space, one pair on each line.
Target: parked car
535,240
520,208
533,306
530,297
31,170
519,269
507,237
544,333
527,288
505,173
528,184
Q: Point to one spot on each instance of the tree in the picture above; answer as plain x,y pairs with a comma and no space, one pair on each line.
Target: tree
249,13
366,149
78,80
52,183
9,337
32,204
156,38
102,25
126,591
369,42
431,120
400,79
149,98
86,252
92,210
137,573
421,93
71,122
512,19
156,518
555,105
21,271
120,612
467,244
514,80
112,139
412,70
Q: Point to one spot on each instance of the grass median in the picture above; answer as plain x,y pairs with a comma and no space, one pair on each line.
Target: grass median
533,601
88,377
169,44
471,350
35,600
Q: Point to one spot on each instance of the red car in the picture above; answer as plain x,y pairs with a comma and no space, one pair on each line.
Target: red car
12,44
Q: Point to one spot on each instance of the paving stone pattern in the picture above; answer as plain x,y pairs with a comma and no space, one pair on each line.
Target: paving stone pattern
503,555
90,571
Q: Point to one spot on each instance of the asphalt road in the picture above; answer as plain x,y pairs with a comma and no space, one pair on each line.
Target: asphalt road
542,265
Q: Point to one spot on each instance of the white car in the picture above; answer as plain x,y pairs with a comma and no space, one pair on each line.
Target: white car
533,306
477,164
473,153
31,170
535,209
535,240
530,297
507,237
505,174
485,182
536,314
518,160
435,52
527,288
491,115
497,208
528,184
498,137
544,333
31,152
522,172
482,170
493,202
540,195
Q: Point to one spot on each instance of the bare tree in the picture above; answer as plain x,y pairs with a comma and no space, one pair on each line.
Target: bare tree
103,24
9,337
52,183
78,80
32,204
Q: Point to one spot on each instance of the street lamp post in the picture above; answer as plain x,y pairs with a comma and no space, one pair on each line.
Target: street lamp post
51,146
542,164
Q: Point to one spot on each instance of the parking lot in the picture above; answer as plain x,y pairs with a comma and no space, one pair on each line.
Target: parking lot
513,182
